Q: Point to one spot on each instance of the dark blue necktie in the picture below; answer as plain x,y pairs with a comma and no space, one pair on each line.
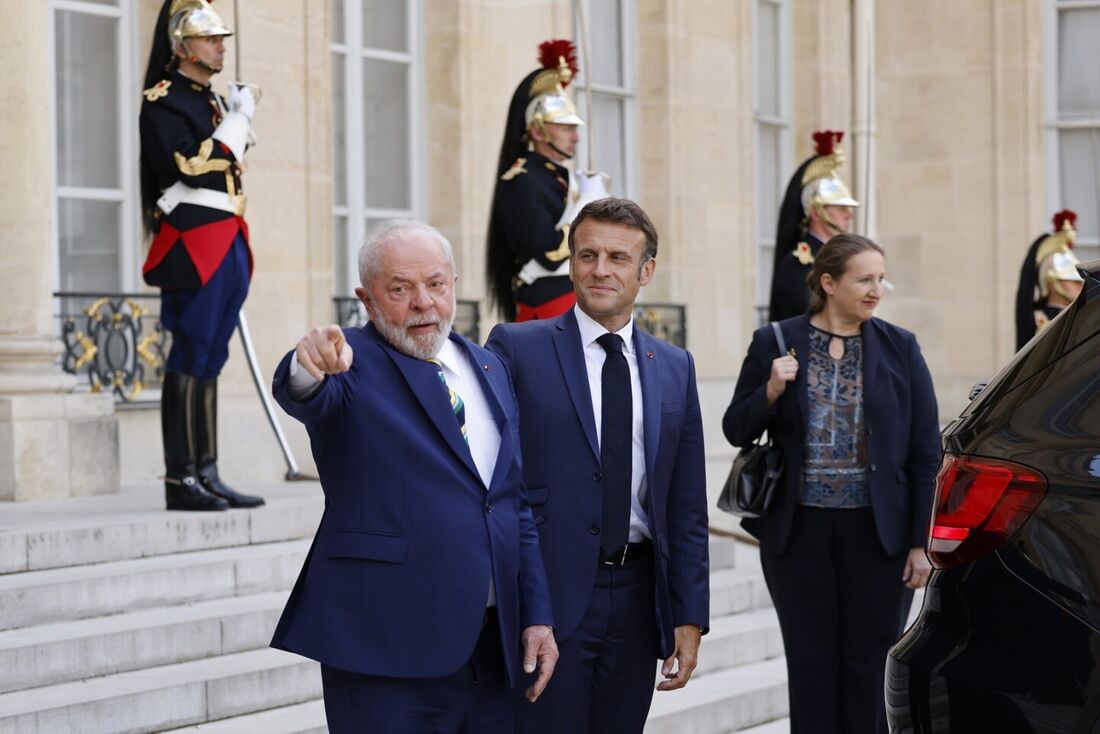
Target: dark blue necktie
616,442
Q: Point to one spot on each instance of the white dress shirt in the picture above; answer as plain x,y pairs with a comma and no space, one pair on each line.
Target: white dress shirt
461,375
594,356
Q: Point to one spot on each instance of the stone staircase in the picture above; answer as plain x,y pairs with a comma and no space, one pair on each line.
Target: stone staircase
116,616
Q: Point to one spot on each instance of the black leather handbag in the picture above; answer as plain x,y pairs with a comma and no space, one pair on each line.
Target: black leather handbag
757,471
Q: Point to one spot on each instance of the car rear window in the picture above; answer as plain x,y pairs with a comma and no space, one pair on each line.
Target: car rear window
1075,328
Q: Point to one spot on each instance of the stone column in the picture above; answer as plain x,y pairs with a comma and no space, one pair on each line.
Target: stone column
53,443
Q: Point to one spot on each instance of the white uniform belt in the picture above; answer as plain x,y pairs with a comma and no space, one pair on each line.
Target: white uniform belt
534,270
180,193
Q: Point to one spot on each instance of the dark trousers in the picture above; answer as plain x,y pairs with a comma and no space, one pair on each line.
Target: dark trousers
607,669
472,700
841,605
202,320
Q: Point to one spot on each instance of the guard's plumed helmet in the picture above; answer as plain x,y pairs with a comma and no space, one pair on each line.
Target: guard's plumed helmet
549,101
1055,260
193,19
821,186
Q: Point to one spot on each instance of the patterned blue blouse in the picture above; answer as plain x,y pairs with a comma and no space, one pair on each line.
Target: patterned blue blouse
834,473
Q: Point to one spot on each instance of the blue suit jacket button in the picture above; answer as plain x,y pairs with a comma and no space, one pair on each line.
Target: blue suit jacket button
488,507
597,477
595,529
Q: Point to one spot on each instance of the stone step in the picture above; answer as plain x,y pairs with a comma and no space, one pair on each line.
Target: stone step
740,639
81,592
37,536
302,718
779,726
55,653
723,552
722,701
165,697
737,590
133,524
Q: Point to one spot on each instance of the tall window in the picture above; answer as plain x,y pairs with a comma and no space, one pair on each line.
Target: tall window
95,104
1073,116
611,119
376,121
772,121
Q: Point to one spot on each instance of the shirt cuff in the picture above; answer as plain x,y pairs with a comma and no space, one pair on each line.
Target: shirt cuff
301,384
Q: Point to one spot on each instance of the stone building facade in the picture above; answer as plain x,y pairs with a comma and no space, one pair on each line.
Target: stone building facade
702,109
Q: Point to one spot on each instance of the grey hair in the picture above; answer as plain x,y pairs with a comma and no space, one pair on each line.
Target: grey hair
395,230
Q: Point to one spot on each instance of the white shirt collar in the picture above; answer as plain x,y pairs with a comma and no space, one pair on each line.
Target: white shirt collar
591,330
451,357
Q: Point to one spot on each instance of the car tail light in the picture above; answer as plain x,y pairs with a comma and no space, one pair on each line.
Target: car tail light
979,504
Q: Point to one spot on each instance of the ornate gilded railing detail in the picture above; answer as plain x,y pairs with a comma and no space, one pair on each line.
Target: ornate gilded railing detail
667,321
114,341
350,313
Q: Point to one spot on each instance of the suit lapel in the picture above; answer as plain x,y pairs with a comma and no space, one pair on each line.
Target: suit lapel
649,373
870,361
800,342
567,344
423,380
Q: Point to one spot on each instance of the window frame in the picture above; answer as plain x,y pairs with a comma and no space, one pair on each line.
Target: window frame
1054,124
627,92
352,51
127,192
764,241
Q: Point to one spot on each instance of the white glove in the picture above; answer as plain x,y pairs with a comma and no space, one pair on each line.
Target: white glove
242,99
590,186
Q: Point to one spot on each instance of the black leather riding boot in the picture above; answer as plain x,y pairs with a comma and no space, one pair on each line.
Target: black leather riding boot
206,443
182,490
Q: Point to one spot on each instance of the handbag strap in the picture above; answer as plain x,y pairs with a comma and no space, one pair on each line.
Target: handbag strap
779,338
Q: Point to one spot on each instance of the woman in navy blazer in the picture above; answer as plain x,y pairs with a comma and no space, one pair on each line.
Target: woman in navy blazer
842,548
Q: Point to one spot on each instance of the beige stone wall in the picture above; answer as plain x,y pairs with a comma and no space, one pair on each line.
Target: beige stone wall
959,170
960,185
695,139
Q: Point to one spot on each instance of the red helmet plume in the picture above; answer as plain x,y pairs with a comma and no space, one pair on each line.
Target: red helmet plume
826,140
1064,216
550,52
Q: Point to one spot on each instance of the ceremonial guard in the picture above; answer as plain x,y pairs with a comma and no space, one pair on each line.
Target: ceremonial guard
193,144
528,252
817,206
1049,280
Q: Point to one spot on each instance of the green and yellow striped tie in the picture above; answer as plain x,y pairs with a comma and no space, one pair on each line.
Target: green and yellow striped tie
456,401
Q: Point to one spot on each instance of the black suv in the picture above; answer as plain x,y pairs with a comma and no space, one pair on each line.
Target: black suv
1008,637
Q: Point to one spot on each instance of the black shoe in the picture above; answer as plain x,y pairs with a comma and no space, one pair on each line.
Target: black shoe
213,484
206,447
186,493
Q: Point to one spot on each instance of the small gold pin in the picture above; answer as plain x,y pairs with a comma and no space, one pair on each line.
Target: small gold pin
791,353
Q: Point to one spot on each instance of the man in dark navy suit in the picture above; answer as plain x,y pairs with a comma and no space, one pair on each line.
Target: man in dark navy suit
425,575
613,463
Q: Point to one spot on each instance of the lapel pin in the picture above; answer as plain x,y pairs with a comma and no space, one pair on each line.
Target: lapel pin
649,355
487,367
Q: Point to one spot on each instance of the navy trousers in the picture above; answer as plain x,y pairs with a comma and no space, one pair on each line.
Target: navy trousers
473,700
607,669
202,320
841,605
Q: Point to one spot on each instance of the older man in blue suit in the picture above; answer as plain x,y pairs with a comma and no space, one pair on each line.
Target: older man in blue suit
613,462
424,578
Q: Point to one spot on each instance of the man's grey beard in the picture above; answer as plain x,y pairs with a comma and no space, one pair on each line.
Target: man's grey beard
418,347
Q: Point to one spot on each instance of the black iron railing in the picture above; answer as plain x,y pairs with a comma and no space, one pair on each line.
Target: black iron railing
350,312
113,342
667,321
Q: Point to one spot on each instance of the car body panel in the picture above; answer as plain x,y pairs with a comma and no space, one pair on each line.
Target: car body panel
1010,642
